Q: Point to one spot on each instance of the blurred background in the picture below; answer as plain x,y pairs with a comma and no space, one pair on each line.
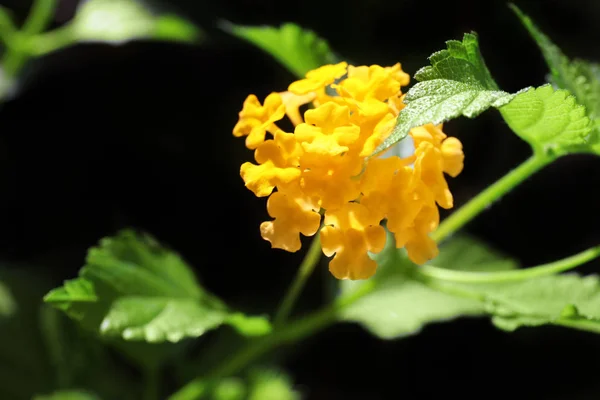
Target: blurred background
100,137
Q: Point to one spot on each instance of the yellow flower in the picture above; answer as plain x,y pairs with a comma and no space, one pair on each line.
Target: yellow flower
327,132
419,246
450,147
374,82
294,213
256,120
348,235
276,159
325,167
292,103
317,79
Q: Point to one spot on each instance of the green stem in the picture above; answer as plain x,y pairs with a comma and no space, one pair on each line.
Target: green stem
291,333
484,199
581,324
39,17
151,382
19,46
7,27
510,276
55,345
53,40
311,259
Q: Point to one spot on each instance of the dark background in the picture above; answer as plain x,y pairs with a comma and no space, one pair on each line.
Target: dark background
103,137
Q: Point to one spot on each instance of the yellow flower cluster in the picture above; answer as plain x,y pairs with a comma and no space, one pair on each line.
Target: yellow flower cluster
323,167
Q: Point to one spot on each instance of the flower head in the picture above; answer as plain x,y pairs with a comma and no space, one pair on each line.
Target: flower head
324,167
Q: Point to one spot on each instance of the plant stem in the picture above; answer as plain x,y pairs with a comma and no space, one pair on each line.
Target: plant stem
311,259
581,324
39,17
52,334
38,45
484,199
510,276
17,51
151,382
292,332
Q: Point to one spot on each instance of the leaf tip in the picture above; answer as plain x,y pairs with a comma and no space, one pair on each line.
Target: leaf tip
226,26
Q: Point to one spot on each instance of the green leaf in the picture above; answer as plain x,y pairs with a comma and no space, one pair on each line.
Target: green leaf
260,383
7,303
457,83
567,299
271,384
40,349
68,395
118,21
401,304
549,120
131,287
579,77
24,366
299,50
229,389
465,253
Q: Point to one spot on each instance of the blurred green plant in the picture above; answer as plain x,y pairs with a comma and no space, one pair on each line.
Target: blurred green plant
139,301
107,21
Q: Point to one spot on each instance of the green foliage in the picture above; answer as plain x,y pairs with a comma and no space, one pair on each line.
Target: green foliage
68,395
230,389
41,350
404,300
270,384
299,50
24,366
550,120
131,287
577,76
402,304
259,383
457,83
581,78
465,253
568,299
7,302
123,20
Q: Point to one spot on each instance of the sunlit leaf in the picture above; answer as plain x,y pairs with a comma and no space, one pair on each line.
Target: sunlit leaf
567,299
132,287
401,304
580,77
118,21
299,50
457,83
548,119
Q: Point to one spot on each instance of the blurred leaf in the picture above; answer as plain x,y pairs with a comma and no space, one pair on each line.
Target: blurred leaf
465,253
118,21
7,303
299,50
42,350
567,299
548,119
271,384
401,304
457,83
229,389
68,395
259,383
581,78
24,366
133,288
